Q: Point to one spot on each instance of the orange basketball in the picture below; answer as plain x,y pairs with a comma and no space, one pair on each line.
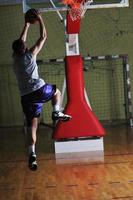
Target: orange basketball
31,16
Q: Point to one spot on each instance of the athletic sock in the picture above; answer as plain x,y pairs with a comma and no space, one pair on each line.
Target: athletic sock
56,107
31,149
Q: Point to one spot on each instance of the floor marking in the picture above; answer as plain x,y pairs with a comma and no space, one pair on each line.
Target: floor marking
6,188
72,185
119,154
126,197
50,186
103,163
93,183
114,182
12,161
29,188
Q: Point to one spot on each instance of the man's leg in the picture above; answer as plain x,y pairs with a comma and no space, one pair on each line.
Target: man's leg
32,111
32,136
57,114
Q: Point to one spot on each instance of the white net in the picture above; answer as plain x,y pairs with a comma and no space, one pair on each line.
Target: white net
77,12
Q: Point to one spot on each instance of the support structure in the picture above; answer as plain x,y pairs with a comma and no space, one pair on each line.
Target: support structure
84,123
127,90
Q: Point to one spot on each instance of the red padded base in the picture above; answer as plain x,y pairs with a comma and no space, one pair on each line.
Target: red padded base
72,27
83,123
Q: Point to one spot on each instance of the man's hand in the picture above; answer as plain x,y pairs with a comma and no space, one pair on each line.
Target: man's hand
27,24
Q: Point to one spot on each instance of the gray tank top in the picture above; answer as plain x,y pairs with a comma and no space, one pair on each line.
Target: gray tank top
26,70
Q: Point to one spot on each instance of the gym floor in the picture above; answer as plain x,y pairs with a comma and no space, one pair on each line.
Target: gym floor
111,178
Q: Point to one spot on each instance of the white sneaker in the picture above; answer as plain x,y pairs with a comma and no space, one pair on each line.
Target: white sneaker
58,115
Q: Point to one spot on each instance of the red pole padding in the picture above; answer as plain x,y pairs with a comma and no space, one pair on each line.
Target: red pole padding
72,27
84,123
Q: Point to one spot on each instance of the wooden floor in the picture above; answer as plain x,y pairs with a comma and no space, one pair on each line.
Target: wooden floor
110,179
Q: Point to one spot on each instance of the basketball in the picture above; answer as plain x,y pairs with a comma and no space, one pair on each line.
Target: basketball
31,16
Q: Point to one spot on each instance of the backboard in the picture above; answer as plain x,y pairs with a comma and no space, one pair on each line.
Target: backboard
57,5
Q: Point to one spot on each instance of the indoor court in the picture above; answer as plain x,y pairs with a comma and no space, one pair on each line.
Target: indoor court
89,58
89,180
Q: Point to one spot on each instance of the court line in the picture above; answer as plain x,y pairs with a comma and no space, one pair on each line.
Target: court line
120,154
81,163
121,197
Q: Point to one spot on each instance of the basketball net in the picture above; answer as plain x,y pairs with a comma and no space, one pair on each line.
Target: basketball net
76,9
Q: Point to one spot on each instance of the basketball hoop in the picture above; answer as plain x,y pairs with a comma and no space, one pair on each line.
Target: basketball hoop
76,9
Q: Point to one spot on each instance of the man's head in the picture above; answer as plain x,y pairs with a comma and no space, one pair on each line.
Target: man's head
19,47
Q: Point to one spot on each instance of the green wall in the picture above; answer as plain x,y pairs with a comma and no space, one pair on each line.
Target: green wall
104,31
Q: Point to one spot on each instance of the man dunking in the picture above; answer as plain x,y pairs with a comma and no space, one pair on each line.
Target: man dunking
33,90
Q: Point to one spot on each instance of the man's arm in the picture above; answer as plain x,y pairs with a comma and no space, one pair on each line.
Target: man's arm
43,36
24,32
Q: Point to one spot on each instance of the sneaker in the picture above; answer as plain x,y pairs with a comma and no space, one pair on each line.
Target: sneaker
32,162
57,115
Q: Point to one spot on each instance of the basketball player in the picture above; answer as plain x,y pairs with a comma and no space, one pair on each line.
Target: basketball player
33,90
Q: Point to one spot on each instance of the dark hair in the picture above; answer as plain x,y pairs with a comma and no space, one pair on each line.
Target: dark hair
19,46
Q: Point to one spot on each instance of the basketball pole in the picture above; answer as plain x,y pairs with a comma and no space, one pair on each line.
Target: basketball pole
86,126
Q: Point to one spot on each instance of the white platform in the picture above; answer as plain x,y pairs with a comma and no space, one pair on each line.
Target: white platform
90,157
79,151
79,145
